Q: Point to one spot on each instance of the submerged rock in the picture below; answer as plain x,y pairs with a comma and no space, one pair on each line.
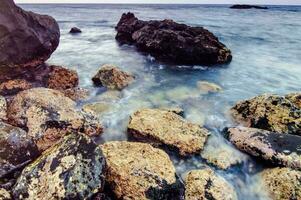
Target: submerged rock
245,6
61,78
112,77
139,171
279,149
205,184
26,38
165,127
74,30
207,87
48,115
73,169
172,42
282,183
3,108
97,108
275,113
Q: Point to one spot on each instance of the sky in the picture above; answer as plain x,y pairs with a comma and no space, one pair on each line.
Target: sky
263,2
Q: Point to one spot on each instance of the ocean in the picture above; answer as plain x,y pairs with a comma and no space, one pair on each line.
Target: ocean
266,48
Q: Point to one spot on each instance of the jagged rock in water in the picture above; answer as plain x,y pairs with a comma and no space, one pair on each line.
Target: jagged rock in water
139,171
275,113
16,149
61,78
172,42
278,149
73,169
75,30
245,6
205,184
48,115
282,183
4,194
26,38
3,108
165,127
112,77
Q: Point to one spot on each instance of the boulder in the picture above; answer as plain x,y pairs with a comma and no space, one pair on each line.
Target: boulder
3,108
4,194
14,86
165,127
282,183
61,78
75,30
139,171
244,6
207,87
275,113
16,149
205,184
73,169
278,149
26,38
172,42
112,78
48,115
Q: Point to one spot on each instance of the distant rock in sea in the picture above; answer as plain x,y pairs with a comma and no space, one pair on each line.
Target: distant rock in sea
75,30
244,6
172,42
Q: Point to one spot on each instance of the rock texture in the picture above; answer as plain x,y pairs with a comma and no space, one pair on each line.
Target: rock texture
73,169
279,149
61,78
244,6
48,115
112,77
14,86
166,127
172,42
282,183
3,108
139,171
205,184
275,113
26,38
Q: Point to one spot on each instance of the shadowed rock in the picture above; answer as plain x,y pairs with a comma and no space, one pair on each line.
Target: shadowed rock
245,6
26,38
75,30
278,149
172,42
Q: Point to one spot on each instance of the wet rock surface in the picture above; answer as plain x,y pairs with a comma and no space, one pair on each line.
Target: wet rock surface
26,38
139,171
282,183
112,77
205,184
172,42
165,127
278,149
275,113
48,119
73,169
245,6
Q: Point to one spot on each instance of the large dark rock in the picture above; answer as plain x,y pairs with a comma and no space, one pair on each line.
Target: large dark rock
26,38
172,42
245,6
275,148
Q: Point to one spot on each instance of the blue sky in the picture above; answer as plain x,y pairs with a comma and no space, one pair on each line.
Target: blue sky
274,2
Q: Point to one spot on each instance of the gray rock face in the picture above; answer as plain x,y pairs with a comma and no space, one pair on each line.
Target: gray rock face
279,149
26,38
73,169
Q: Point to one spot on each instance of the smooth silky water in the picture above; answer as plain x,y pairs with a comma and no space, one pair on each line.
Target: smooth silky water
266,48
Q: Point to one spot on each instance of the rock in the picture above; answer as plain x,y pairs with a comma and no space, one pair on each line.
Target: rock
109,96
172,42
4,194
14,86
61,78
26,38
73,169
207,87
96,108
270,112
166,127
16,149
244,6
176,110
112,77
205,184
76,94
282,183
295,98
48,115
139,171
74,30
3,108
278,149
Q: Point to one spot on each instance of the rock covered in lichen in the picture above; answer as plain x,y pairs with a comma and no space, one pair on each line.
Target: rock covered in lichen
282,183
278,149
112,77
73,169
280,114
166,127
3,108
205,184
4,194
48,115
139,171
